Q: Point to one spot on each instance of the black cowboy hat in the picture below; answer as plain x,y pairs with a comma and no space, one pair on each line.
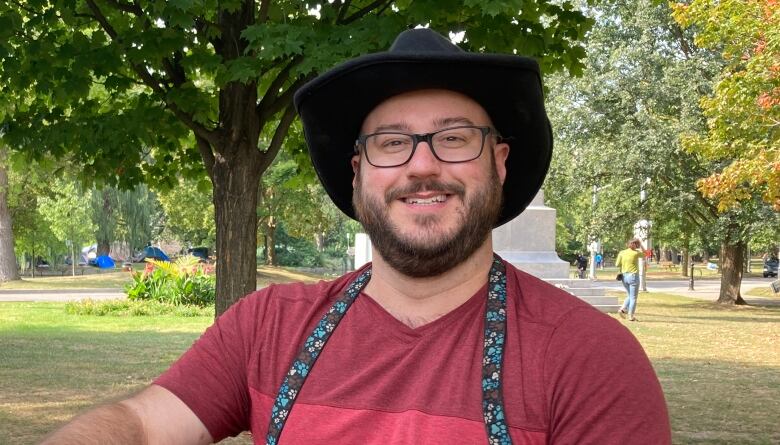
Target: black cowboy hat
334,105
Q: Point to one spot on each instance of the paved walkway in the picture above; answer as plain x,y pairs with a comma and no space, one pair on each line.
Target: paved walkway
61,295
704,289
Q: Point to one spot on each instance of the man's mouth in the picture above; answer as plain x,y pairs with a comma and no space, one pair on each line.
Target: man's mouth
414,200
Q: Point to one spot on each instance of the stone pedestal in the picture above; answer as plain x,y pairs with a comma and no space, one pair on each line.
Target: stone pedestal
528,242
362,250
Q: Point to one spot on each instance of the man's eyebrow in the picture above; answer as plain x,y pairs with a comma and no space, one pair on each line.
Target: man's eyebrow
438,123
391,127
452,121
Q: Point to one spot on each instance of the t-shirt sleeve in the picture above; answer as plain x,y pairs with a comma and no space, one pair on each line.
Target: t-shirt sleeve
210,378
601,387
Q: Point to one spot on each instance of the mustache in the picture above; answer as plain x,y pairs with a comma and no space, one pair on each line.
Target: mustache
424,186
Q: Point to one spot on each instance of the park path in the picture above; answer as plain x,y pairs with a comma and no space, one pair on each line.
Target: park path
60,294
705,289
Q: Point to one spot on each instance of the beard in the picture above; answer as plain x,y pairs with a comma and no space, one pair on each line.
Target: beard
430,252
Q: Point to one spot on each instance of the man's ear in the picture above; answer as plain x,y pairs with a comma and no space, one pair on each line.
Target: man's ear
355,168
500,154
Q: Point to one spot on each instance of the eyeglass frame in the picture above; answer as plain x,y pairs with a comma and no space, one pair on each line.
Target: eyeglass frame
428,138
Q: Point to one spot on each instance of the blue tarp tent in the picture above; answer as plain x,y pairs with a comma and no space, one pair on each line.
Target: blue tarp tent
156,253
104,262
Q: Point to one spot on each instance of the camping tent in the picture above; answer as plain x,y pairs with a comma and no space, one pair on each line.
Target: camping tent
104,262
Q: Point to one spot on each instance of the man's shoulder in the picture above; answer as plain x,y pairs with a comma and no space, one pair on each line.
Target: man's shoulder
541,302
303,291
290,296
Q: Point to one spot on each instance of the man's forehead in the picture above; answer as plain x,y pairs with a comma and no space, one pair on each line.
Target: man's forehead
439,108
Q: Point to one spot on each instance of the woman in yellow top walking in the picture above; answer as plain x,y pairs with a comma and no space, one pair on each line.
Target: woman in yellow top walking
628,263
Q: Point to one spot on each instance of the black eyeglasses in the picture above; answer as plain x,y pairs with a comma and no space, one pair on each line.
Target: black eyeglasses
455,144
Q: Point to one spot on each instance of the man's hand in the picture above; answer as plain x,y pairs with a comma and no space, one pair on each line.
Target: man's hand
154,416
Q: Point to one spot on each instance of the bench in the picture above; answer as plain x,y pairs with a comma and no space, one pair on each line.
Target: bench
668,265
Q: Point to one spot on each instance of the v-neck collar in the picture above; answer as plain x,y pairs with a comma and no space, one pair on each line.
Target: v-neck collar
392,326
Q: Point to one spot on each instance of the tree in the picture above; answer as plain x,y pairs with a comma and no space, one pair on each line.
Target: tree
138,90
68,216
744,110
743,125
139,216
617,127
189,213
104,217
8,267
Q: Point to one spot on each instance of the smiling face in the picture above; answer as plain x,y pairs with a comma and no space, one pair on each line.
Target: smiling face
426,216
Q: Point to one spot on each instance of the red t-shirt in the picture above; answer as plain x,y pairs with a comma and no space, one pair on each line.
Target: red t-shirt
572,375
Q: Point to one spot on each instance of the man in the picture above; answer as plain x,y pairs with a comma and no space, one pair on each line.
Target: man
582,265
437,341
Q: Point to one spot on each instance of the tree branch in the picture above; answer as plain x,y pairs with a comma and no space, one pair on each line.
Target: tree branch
343,10
265,6
273,90
279,134
201,25
208,156
150,81
684,46
285,99
26,8
132,8
102,20
360,13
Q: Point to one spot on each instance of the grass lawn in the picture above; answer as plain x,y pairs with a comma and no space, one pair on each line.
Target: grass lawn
719,366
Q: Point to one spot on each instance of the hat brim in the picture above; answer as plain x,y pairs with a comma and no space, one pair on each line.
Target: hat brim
334,105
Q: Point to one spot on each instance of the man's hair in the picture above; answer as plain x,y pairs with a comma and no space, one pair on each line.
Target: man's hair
634,243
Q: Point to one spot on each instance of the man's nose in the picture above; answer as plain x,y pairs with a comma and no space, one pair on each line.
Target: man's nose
423,161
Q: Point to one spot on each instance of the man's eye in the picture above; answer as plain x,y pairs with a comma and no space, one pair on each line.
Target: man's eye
397,142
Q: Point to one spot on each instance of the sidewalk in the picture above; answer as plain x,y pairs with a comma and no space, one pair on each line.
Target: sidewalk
61,295
704,289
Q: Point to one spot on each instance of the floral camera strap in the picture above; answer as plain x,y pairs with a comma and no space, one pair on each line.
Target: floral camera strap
492,357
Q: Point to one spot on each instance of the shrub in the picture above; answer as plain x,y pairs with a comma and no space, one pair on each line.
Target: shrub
134,308
183,282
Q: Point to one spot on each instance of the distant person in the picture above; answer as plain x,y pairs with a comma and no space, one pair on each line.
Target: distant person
599,261
627,263
582,265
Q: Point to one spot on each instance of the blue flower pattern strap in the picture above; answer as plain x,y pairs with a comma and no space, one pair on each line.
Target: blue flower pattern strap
495,332
493,356
302,365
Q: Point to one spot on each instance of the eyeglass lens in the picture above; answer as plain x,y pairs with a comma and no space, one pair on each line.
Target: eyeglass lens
458,144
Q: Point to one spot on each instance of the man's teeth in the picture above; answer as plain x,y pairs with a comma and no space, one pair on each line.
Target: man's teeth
426,201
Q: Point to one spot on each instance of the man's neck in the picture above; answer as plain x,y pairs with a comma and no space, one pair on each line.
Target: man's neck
418,301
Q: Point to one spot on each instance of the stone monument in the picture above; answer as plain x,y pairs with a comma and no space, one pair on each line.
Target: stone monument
528,241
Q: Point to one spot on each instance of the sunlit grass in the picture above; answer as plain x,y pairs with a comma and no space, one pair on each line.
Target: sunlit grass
719,365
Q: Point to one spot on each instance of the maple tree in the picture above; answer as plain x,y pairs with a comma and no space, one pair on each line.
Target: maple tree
744,110
144,90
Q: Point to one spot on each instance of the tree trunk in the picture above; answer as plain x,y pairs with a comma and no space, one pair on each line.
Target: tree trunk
732,256
103,248
270,238
235,203
686,253
8,269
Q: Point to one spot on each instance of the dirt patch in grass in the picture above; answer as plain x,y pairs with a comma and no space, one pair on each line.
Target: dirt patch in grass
273,275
